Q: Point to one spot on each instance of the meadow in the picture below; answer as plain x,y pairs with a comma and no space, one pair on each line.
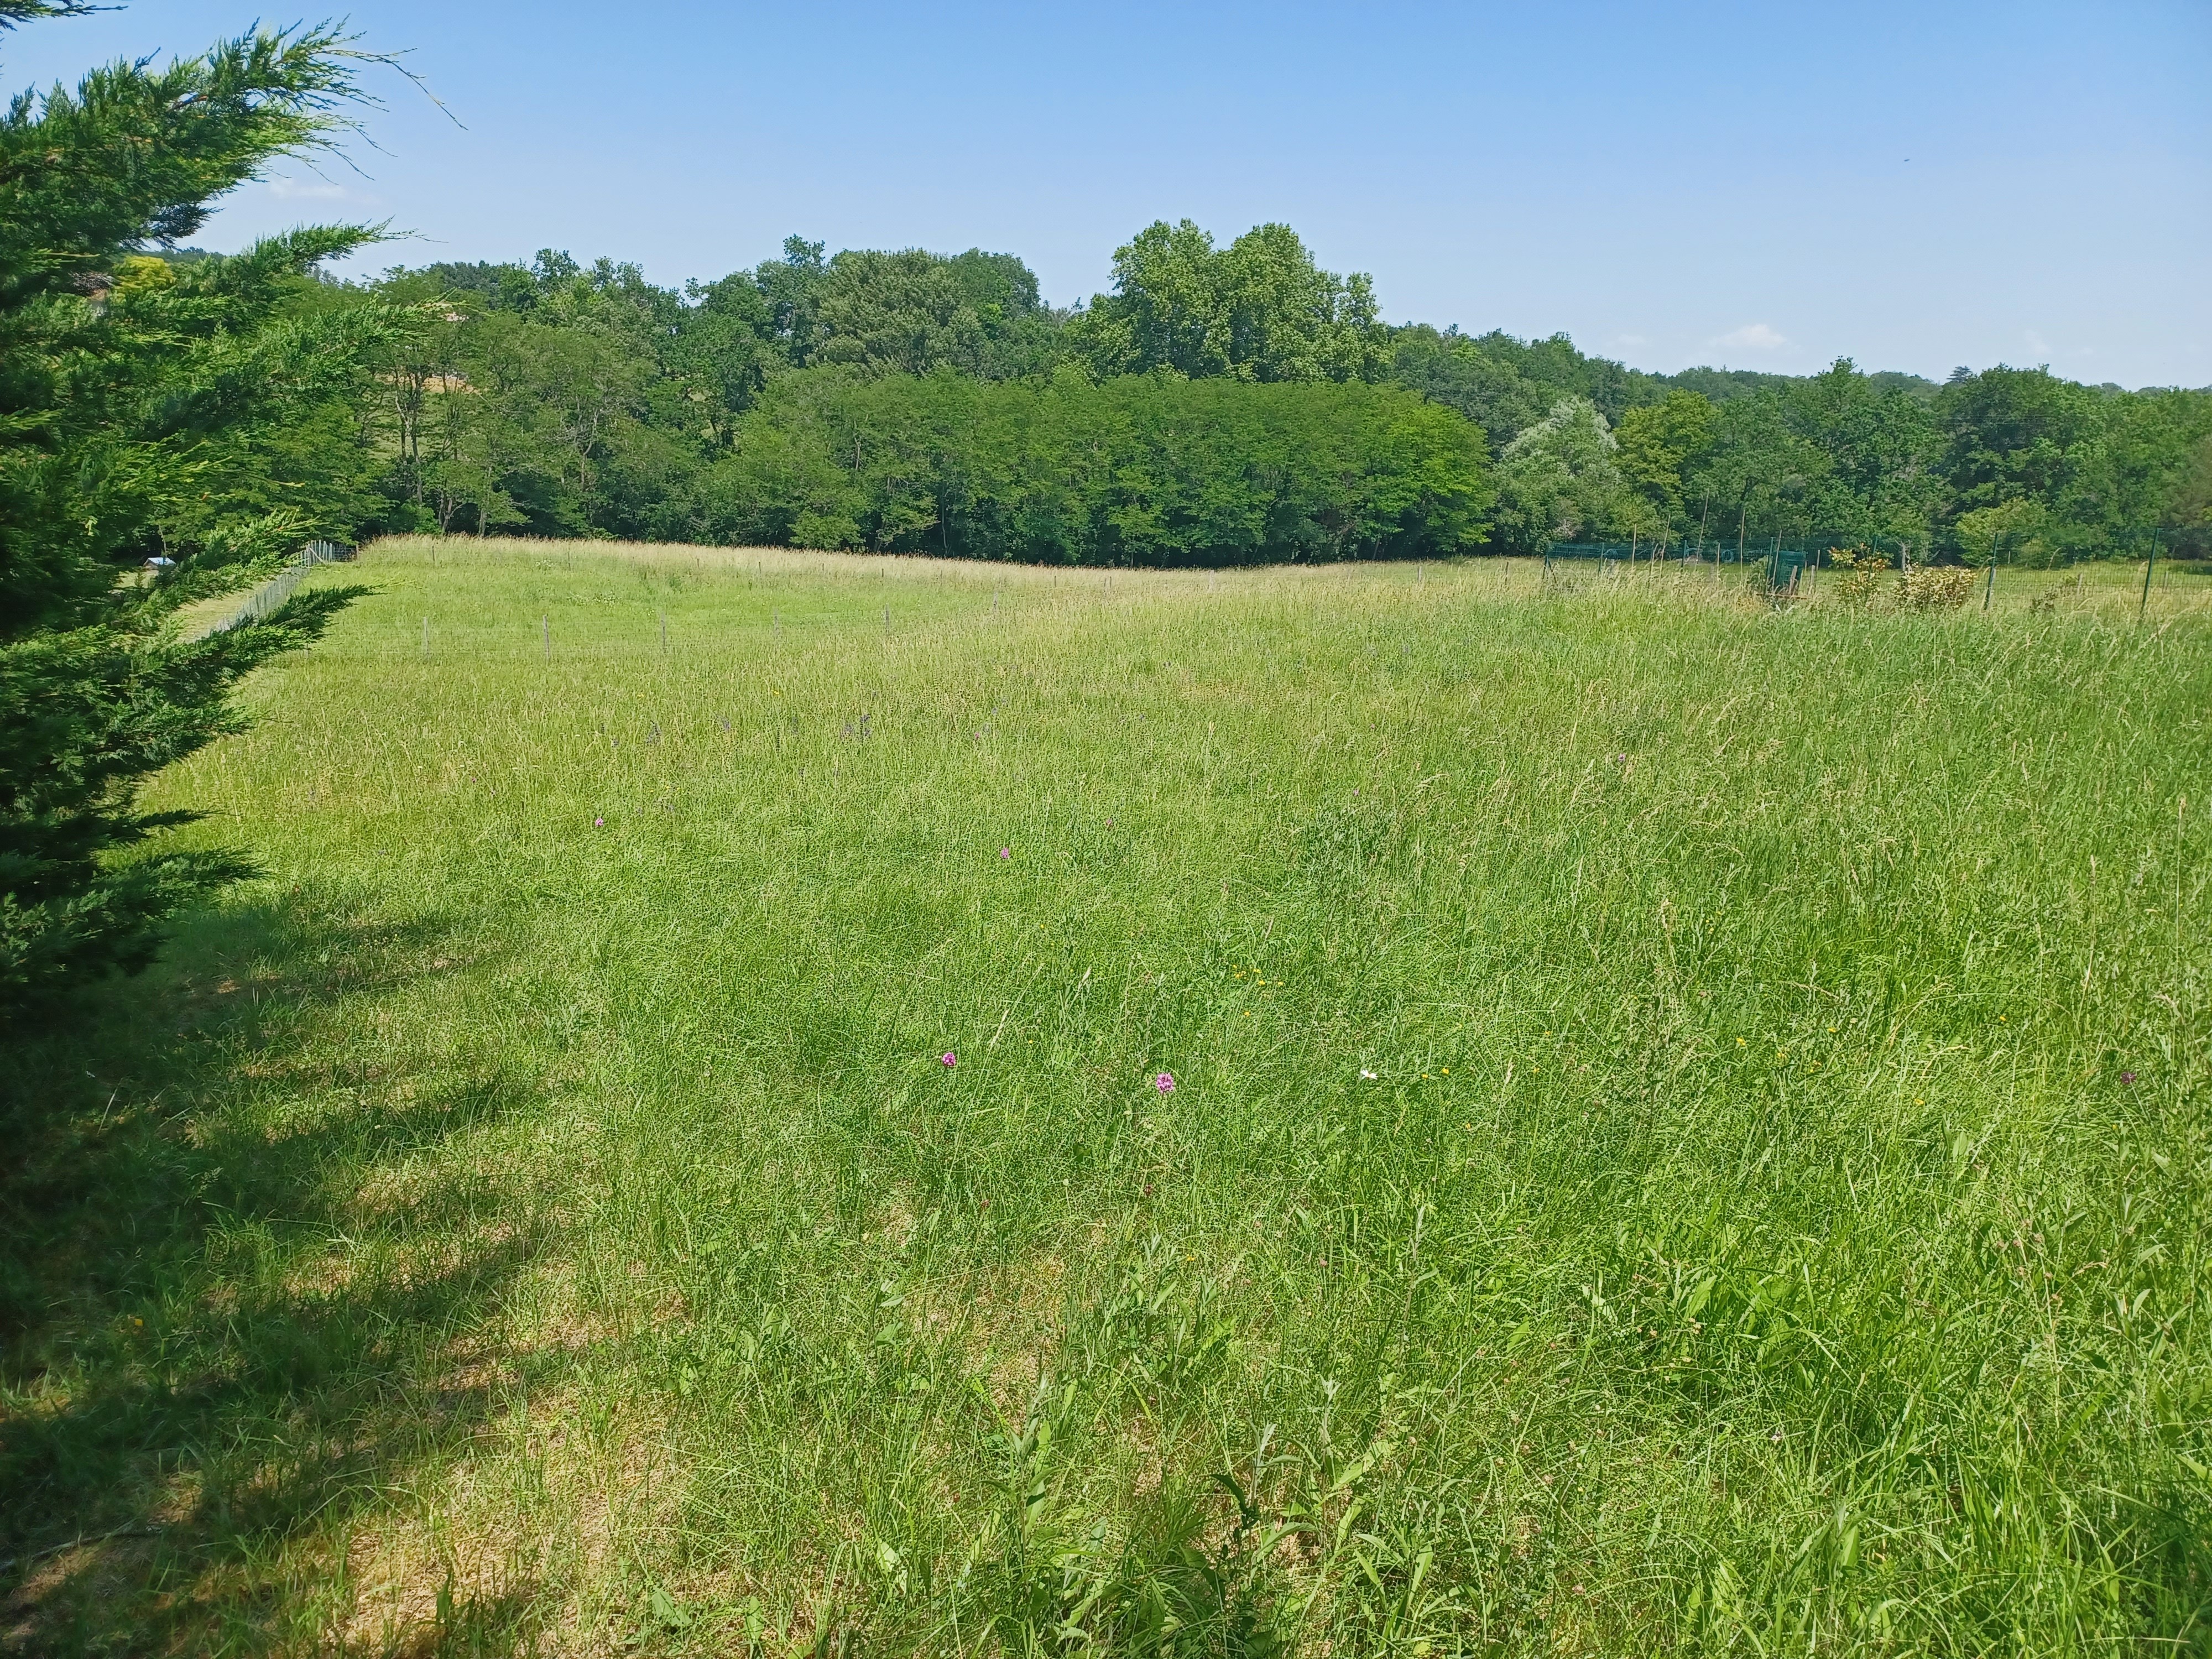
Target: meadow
780,1103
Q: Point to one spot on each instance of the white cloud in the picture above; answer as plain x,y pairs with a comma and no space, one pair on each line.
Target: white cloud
1752,336
297,190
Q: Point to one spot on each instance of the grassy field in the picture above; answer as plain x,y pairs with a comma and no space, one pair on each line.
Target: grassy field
798,1104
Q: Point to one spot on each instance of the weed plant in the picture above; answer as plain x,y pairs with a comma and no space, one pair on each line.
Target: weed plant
954,1108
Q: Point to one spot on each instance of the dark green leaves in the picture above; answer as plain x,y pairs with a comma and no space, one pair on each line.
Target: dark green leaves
184,408
1139,470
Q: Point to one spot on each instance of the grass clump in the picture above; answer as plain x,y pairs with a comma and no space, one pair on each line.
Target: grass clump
1688,1128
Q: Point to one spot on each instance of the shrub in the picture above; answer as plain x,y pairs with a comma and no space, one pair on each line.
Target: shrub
1937,587
1869,577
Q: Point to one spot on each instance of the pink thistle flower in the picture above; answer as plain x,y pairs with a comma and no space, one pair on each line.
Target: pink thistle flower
1164,1082
1005,852
950,1059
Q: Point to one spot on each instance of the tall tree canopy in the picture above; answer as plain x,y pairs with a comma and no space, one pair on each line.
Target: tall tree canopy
1841,456
1560,480
1260,309
149,408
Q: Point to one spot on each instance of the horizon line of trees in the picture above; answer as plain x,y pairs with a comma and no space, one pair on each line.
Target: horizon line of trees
555,398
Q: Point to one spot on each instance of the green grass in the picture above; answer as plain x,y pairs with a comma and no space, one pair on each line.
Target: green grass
1689,1135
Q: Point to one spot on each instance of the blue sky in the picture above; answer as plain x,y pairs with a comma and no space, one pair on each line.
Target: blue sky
1768,186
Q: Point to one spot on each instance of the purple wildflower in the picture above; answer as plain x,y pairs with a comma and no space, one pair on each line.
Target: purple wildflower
1005,852
599,823
1164,1082
2127,1076
950,1059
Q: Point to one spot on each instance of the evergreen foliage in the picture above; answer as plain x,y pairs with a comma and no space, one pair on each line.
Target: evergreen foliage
169,433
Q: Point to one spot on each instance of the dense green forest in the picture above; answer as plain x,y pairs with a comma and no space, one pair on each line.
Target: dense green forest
1220,403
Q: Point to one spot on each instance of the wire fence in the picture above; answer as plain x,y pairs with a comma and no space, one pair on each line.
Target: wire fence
279,588
1686,551
1780,568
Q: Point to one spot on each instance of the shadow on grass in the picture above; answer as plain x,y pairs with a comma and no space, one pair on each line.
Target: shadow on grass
191,1385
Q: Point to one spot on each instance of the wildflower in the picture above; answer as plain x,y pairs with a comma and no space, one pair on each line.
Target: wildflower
1369,1075
950,1059
599,823
1164,1082
2127,1076
1005,852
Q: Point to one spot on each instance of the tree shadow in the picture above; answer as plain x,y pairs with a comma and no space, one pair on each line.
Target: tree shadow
189,1386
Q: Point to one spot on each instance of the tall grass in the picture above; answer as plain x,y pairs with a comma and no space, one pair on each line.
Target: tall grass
1688,1127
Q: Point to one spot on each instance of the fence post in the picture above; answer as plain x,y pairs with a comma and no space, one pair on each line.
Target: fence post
1989,586
2150,559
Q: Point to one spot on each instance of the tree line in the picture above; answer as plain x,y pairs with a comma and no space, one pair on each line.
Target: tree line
559,399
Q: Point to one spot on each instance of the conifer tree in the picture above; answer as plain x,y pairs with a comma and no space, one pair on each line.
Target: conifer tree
124,379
